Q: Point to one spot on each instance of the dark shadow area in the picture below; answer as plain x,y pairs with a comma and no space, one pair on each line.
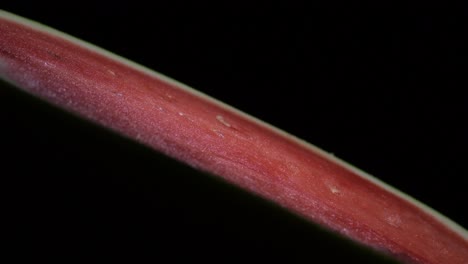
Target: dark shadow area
75,191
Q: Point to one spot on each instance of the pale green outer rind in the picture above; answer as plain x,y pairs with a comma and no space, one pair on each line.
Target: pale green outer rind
446,221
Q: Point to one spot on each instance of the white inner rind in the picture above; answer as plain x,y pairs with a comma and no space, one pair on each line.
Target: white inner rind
37,26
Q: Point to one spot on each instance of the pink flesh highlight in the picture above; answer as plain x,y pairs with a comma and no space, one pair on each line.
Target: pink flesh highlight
216,139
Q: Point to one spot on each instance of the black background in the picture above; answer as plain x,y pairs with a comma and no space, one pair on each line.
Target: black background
380,85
